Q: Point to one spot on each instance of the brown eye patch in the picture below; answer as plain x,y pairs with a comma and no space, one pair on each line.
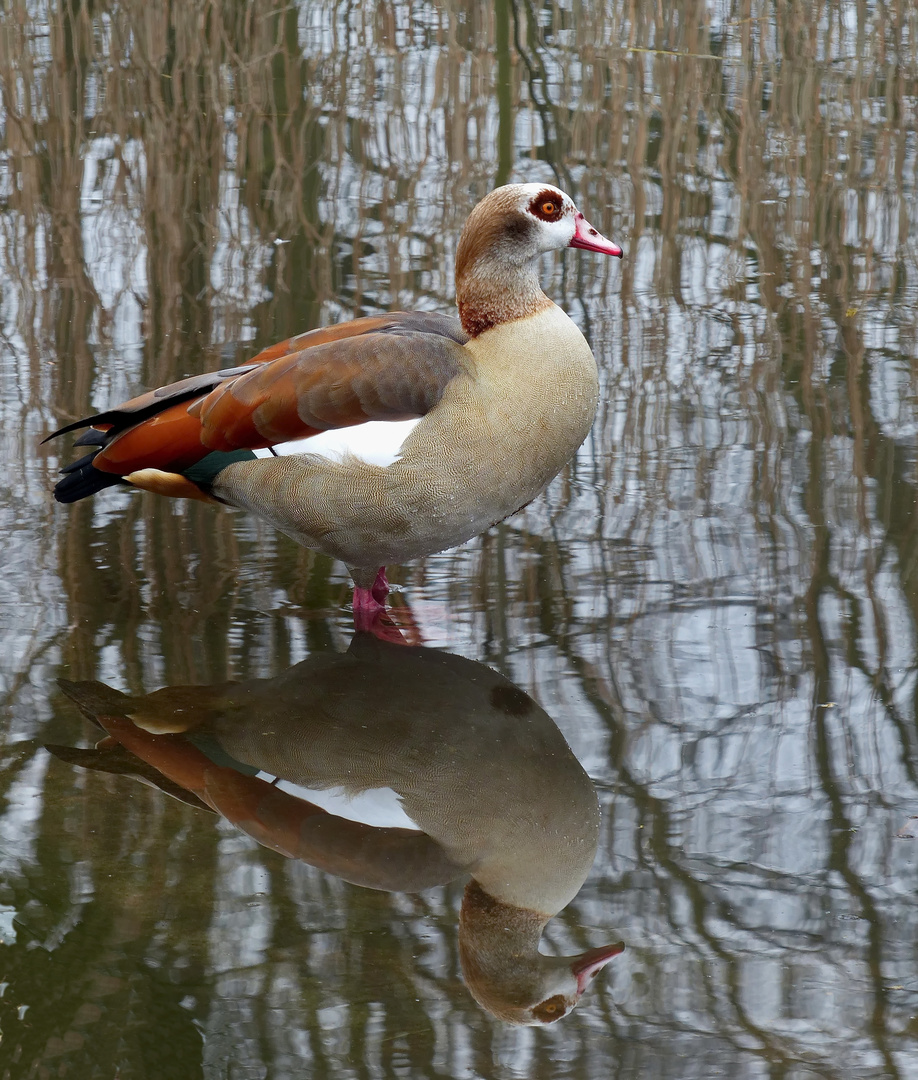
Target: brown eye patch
552,1009
547,205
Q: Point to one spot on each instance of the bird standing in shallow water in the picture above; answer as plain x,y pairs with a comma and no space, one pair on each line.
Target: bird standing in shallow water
388,438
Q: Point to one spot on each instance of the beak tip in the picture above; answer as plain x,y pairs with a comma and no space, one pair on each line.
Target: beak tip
589,963
590,240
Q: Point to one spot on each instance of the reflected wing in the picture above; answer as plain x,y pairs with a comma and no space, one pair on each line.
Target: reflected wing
392,367
380,858
113,758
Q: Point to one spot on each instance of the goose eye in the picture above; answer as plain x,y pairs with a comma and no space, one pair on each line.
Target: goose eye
546,206
551,1009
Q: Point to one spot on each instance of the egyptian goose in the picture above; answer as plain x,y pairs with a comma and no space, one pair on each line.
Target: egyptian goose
397,768
387,438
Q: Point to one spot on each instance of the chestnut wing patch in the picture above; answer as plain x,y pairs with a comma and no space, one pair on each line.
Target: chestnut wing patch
386,367
374,377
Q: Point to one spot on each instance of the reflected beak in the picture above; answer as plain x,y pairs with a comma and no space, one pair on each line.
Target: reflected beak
587,964
585,236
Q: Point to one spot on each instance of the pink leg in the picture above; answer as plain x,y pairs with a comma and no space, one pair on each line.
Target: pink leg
367,609
380,587
370,614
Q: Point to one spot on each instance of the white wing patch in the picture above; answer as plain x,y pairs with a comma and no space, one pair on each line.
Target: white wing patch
380,807
377,442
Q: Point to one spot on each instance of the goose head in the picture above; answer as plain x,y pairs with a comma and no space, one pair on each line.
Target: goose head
504,970
548,991
496,261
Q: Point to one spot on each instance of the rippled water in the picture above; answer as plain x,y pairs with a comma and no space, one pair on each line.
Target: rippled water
716,603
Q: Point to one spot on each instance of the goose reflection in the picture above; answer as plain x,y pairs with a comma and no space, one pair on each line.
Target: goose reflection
392,767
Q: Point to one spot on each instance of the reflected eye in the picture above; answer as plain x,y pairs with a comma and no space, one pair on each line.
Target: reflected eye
551,1009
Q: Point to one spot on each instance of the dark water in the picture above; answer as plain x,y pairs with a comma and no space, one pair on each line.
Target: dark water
716,603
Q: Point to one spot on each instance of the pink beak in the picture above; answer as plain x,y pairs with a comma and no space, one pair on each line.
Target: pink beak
587,964
585,236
